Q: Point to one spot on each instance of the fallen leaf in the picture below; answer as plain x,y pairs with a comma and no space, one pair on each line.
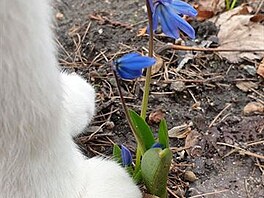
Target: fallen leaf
238,32
260,70
215,6
253,108
257,18
180,131
158,65
142,31
156,116
245,9
204,14
191,143
246,86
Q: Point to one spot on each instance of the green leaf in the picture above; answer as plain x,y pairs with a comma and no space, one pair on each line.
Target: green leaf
137,176
117,153
163,134
142,131
130,170
155,167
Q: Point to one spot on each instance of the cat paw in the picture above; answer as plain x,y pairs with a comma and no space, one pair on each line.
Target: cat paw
108,179
79,102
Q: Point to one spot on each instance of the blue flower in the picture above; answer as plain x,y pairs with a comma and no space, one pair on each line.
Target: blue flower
126,156
157,145
130,65
168,12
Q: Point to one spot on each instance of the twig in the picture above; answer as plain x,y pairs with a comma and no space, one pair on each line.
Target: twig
257,99
100,127
259,7
262,96
255,143
215,119
172,193
187,48
63,49
211,193
242,151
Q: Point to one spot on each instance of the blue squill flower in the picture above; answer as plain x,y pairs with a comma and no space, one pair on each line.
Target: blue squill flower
130,65
157,145
126,156
167,13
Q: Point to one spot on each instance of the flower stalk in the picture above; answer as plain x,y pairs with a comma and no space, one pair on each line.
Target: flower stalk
150,54
139,149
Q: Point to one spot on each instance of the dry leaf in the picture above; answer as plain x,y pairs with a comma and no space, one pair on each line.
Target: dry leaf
253,108
260,70
257,18
158,65
245,10
191,144
204,14
142,31
156,116
180,131
238,32
246,86
214,6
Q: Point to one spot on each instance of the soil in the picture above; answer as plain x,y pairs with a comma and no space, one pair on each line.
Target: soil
202,94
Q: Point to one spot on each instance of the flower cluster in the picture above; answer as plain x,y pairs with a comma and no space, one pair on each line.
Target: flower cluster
168,14
153,156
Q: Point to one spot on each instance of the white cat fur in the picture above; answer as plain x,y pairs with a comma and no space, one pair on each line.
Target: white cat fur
40,110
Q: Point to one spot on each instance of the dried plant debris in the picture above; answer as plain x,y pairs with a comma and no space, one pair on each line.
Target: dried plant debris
238,31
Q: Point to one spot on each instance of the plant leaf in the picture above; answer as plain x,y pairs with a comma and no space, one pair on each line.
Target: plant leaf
143,132
163,134
117,153
137,176
155,167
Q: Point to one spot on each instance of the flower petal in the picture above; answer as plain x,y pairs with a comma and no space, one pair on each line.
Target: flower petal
168,16
167,21
128,74
155,19
185,27
126,156
127,57
183,8
135,61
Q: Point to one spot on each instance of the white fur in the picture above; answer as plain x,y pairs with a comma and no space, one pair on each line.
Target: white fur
40,110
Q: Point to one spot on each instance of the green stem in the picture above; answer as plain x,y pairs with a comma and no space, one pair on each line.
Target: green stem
227,4
147,82
138,160
148,74
139,147
233,4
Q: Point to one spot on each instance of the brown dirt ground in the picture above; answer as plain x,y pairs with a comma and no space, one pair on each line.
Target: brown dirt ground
90,32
